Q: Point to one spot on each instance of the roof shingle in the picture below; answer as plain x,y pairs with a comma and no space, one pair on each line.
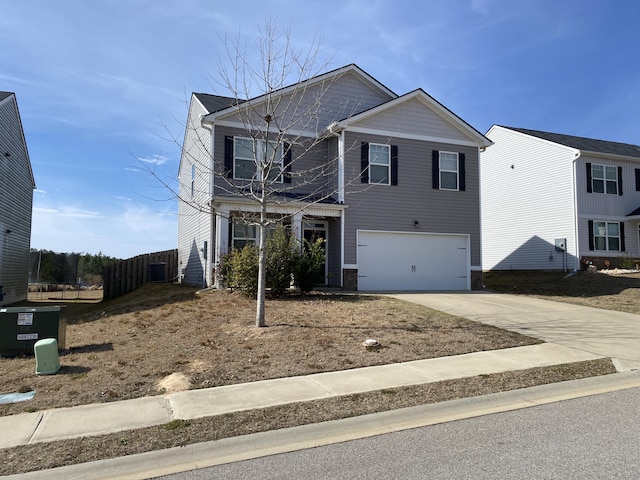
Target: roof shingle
585,144
214,103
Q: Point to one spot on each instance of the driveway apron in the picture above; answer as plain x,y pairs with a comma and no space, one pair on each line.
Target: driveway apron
603,332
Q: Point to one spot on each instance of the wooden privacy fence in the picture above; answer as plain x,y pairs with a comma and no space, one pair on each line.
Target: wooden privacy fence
127,275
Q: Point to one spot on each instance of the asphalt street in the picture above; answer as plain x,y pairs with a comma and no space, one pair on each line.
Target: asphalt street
593,437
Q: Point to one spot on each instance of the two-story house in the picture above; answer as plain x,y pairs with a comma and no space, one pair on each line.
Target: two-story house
16,201
391,183
553,201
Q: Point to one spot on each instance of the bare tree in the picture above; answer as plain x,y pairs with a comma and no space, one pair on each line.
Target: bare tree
280,112
275,123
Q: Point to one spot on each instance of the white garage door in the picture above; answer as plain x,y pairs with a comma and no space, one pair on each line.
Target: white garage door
412,261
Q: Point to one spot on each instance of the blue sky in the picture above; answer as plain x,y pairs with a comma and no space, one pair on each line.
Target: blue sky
101,84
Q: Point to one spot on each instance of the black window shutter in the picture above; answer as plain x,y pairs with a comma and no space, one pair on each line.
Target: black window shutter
620,181
286,163
589,188
622,245
364,162
228,157
435,168
461,172
637,179
394,165
591,246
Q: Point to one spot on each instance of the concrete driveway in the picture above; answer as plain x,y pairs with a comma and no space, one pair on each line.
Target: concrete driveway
602,332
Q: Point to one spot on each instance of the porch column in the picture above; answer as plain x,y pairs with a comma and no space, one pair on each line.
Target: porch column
297,227
221,240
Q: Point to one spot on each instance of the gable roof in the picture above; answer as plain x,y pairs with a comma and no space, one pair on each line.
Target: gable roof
309,82
215,103
431,103
4,95
585,144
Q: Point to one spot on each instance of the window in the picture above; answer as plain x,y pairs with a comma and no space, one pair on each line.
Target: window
243,235
247,152
379,164
448,163
604,179
607,236
448,171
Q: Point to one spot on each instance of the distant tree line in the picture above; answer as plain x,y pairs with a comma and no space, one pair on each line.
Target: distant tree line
67,268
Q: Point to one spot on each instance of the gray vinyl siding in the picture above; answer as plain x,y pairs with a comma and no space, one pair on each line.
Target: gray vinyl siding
313,173
397,207
348,95
16,203
527,202
194,218
413,117
320,104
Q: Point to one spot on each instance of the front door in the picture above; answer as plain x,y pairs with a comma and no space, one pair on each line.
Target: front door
312,231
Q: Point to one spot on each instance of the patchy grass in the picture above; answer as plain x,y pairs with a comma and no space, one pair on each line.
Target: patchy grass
122,348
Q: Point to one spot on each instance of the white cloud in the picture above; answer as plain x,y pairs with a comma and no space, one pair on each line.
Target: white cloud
154,160
77,213
123,233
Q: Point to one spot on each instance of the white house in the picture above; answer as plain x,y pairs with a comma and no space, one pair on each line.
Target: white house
553,201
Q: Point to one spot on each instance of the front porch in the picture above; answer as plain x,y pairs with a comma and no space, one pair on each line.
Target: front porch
233,228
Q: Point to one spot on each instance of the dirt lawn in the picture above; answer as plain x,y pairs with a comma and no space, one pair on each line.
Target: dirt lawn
165,337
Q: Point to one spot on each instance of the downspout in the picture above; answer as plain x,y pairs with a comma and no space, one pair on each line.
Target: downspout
470,283
209,259
576,238
341,140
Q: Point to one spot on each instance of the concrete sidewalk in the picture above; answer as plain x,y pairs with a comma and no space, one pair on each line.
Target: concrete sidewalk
103,418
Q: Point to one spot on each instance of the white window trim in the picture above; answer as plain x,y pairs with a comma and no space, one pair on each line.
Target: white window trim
253,240
603,179
444,170
388,164
606,236
247,240
257,159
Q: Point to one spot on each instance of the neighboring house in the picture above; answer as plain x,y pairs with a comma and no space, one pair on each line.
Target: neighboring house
397,202
16,200
553,201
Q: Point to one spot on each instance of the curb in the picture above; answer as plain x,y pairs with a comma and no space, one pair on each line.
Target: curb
207,454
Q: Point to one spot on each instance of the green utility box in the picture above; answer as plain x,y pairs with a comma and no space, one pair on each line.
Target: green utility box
22,327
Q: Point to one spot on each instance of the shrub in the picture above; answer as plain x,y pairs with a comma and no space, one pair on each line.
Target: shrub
629,263
285,261
310,267
281,260
243,273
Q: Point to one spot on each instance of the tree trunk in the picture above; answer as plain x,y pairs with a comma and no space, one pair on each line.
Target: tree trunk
262,274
